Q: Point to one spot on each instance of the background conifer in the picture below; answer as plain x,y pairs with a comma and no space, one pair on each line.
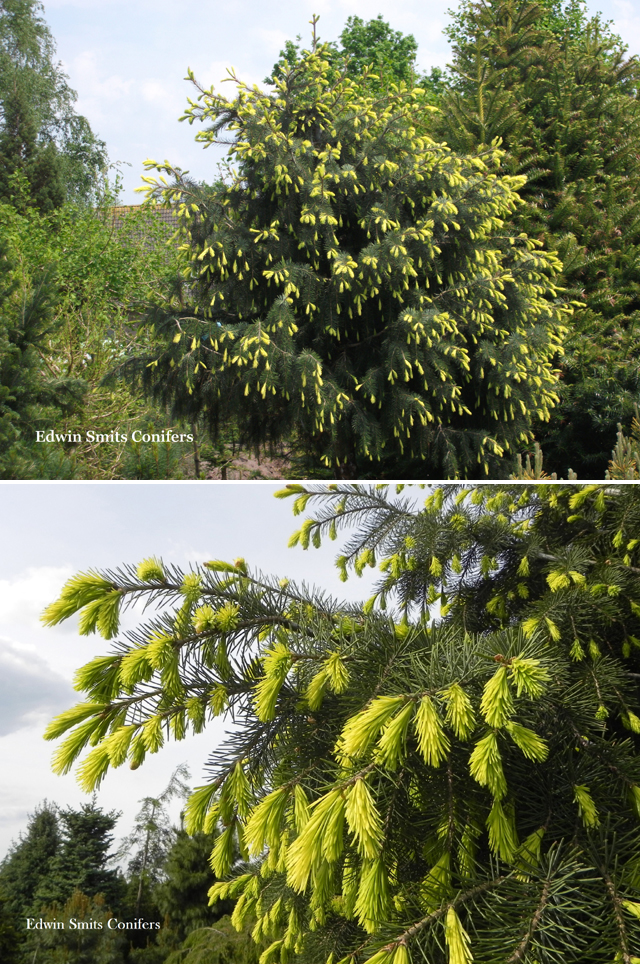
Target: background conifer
556,87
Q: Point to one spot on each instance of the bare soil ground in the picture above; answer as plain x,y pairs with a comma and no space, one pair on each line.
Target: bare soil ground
246,466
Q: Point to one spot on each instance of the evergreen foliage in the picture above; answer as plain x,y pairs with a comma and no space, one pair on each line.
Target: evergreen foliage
216,944
352,281
21,153
9,935
29,860
31,394
149,842
556,87
91,941
183,895
81,862
448,772
625,458
57,874
57,350
55,871
41,136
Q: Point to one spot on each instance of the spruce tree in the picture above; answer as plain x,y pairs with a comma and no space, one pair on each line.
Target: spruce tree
182,897
556,87
29,860
352,282
31,393
81,863
448,772
625,457
148,844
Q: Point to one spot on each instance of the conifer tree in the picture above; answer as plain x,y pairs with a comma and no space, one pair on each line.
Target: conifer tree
30,392
29,860
182,896
216,944
149,842
351,281
556,87
448,772
9,934
625,456
90,941
81,862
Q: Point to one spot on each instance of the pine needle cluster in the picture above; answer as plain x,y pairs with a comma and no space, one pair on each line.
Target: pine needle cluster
447,773
351,281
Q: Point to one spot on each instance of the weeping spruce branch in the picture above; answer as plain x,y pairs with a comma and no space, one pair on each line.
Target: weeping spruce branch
400,788
353,281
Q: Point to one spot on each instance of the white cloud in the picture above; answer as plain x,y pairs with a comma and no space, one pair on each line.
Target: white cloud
274,40
164,97
23,599
99,90
627,23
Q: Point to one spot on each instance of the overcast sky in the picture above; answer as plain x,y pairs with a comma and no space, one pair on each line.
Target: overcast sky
127,59
48,532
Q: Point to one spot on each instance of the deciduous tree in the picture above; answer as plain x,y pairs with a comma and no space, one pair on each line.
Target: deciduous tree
41,136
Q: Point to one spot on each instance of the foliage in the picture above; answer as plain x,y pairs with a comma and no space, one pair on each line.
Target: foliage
182,896
90,941
371,44
81,862
9,935
376,45
59,871
148,843
218,943
80,268
97,274
21,153
351,282
625,458
555,86
531,467
56,871
31,396
448,772
29,860
41,136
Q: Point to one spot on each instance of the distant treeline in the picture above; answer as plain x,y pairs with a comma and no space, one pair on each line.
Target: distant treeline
63,897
